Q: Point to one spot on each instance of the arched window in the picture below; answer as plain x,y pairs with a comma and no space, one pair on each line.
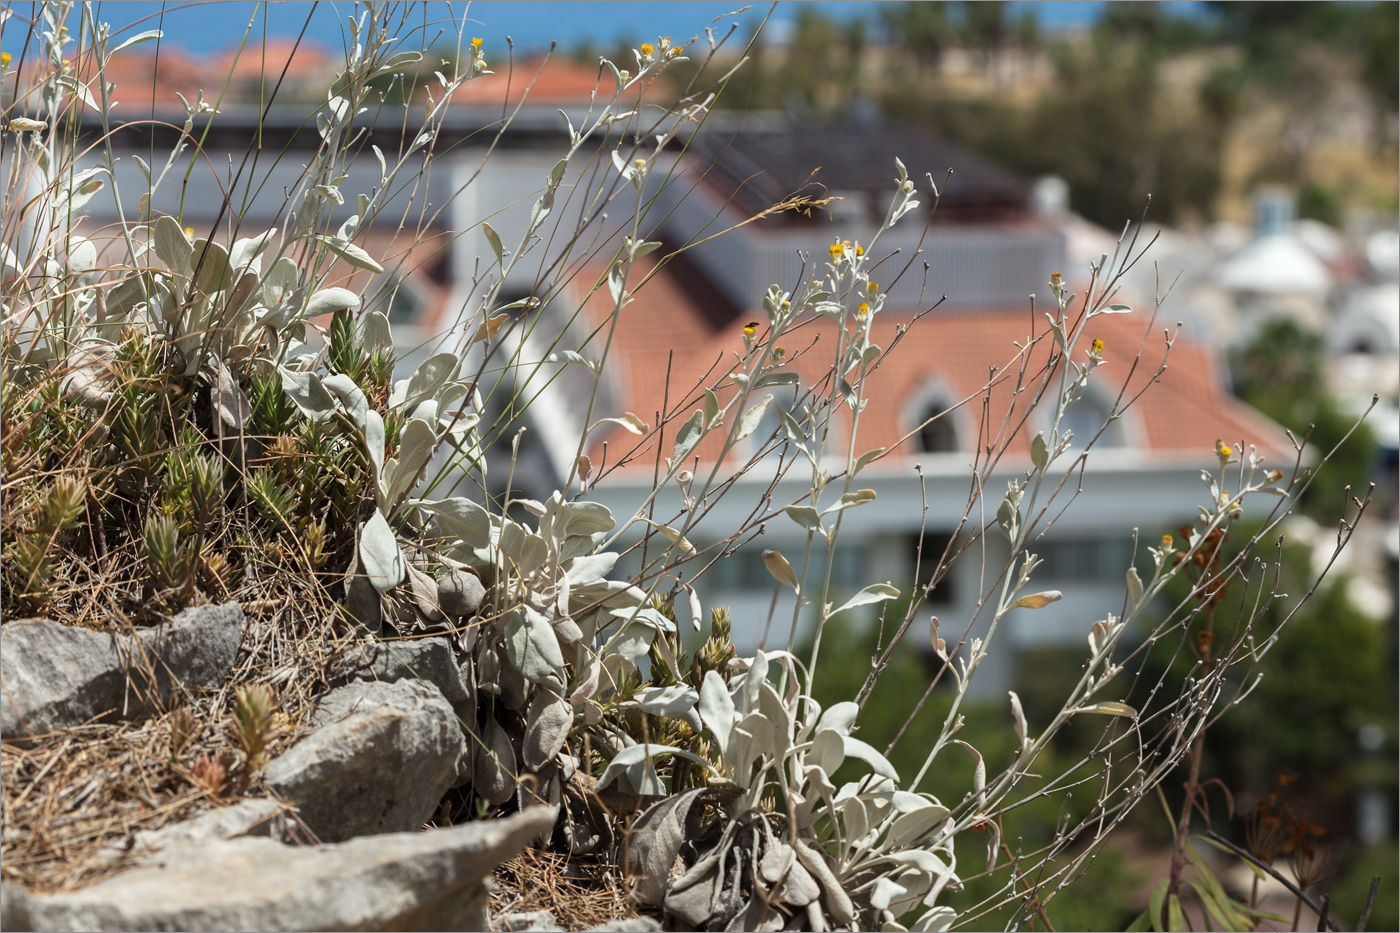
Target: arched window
1086,415
934,422
937,434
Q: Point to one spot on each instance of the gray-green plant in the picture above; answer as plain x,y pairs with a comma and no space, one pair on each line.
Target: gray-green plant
207,422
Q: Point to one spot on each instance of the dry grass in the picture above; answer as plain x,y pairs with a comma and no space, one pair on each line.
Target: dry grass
581,893
74,800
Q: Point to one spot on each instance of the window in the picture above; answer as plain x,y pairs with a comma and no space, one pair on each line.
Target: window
1085,416
933,420
397,299
1084,560
937,436
929,550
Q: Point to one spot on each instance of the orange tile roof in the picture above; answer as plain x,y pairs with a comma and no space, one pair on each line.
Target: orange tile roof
541,82
1175,421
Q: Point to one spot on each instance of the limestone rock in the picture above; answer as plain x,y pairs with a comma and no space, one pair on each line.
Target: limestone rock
379,760
401,881
56,676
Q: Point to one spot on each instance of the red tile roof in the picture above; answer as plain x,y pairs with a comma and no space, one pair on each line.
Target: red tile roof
1177,420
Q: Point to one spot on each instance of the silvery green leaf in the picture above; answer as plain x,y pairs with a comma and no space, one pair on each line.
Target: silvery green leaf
531,645
806,516
1037,600
852,499
642,753
173,247
717,710
874,593
884,892
855,819
246,251
350,395
379,552
493,771
280,282
631,642
776,379
591,568
1020,716
352,254
397,61
526,551
231,405
937,920
749,423
329,300
556,174
827,751
307,392
688,436
646,616
374,441
673,702
1109,708
82,255
140,37
462,518
376,333
494,239
658,835
1040,450
913,826
711,408
588,517
865,459
546,729
209,261
1134,585
839,718
427,379
1116,309
416,445
855,748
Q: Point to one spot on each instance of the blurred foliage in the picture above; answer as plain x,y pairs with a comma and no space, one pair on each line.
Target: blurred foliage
1111,125
1280,372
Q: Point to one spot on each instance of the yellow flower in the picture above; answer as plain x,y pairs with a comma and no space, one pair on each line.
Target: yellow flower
189,231
1222,450
1056,280
872,287
647,49
476,43
750,329
860,251
862,310
1098,348
835,249
1166,542
5,58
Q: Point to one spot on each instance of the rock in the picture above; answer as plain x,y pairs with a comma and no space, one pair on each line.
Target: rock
425,659
527,921
629,925
402,881
257,817
379,761
56,676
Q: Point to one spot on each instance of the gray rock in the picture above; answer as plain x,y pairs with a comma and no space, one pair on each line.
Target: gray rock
425,659
379,760
527,921
258,817
403,881
56,676
629,925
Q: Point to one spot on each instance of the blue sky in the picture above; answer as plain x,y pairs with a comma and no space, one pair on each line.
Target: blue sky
206,27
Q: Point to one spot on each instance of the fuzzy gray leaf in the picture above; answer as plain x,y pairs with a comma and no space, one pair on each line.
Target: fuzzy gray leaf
546,729
309,395
380,554
657,837
531,645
